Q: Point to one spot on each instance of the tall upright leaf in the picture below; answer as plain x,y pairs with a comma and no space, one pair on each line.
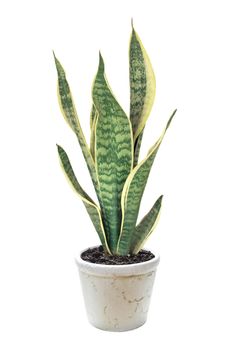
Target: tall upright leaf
93,115
69,112
132,194
142,89
114,152
93,123
92,209
137,147
145,227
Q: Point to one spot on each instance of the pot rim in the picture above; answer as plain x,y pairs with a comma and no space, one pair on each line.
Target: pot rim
117,270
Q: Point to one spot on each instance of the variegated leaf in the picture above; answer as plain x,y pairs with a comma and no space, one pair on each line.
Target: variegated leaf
145,227
114,152
69,112
142,89
93,132
132,194
93,115
92,209
137,147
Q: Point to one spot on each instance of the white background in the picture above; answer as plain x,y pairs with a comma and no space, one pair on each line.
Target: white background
43,223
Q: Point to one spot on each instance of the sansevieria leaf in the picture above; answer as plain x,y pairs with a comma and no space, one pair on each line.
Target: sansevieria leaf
137,147
113,152
142,89
93,116
93,122
145,227
132,194
69,112
92,209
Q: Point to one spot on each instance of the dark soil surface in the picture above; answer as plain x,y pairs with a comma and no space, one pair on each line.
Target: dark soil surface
96,256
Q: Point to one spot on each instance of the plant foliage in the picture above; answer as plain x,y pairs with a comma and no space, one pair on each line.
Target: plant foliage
112,157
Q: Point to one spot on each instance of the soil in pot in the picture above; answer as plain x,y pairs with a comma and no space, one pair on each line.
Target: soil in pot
97,256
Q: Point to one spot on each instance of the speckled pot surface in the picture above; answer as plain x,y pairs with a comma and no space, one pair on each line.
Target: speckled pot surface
117,297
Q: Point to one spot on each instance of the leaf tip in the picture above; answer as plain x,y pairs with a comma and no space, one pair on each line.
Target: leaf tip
57,63
101,66
55,59
170,120
160,198
59,67
59,148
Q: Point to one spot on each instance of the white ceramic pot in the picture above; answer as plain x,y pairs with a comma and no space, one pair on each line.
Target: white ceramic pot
117,297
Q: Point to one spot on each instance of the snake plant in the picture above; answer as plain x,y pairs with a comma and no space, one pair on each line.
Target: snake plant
112,156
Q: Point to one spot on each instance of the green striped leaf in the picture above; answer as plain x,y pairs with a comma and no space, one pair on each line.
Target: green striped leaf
94,116
145,227
142,89
92,209
69,112
114,152
137,147
132,194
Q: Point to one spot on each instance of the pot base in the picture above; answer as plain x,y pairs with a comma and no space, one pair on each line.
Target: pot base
119,329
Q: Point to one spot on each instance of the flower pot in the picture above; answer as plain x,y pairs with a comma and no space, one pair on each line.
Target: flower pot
117,297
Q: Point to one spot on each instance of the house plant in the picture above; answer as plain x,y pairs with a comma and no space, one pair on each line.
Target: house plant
117,278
